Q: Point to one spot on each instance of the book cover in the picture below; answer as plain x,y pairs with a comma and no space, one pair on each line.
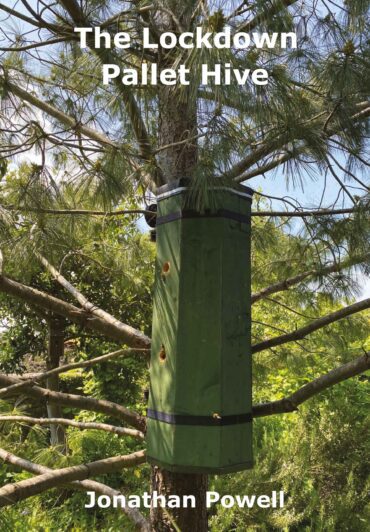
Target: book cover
184,265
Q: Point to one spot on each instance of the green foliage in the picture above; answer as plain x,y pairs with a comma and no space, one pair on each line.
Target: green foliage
317,457
47,516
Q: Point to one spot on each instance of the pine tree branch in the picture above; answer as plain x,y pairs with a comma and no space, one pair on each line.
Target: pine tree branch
291,281
111,214
85,485
19,491
30,20
274,163
51,479
335,376
315,325
89,307
266,148
59,115
303,213
116,331
281,159
119,17
237,172
362,115
75,12
121,431
128,98
37,378
266,15
33,45
78,401
76,212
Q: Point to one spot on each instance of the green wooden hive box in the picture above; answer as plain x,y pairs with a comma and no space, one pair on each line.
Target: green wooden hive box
200,409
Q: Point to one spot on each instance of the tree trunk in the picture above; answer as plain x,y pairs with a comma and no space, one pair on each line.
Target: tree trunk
184,519
55,354
177,122
177,106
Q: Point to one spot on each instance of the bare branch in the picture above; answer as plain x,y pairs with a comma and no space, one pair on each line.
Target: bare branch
299,334
49,479
33,45
303,214
111,214
130,333
291,403
86,485
59,115
37,378
29,20
76,212
74,314
13,493
121,431
291,281
119,17
80,402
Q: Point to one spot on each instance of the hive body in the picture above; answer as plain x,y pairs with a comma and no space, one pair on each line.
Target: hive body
199,411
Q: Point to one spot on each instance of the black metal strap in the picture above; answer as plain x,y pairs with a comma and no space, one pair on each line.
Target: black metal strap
209,421
221,213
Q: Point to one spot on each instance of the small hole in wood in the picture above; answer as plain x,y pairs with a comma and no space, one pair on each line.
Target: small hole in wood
162,354
165,268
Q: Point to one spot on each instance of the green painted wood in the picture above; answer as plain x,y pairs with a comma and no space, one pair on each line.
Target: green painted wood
201,360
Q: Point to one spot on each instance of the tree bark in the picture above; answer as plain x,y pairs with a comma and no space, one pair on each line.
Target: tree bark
113,329
184,519
177,107
55,355
177,122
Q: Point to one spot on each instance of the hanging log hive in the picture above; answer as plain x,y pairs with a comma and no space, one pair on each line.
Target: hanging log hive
199,411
